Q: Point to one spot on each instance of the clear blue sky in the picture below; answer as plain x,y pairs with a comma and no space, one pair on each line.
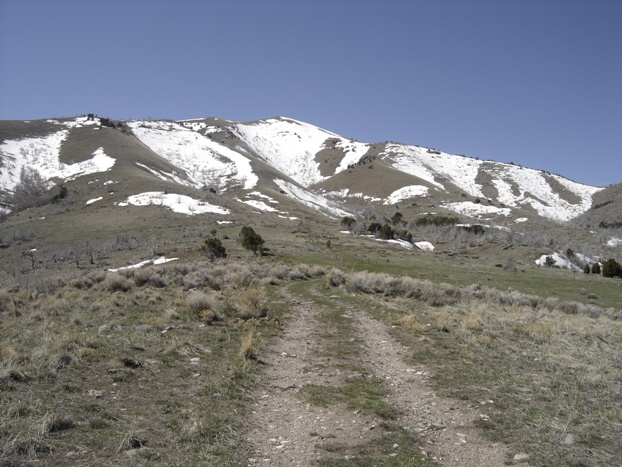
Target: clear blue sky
535,82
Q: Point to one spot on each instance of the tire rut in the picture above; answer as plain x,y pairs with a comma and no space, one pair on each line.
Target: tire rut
283,429
446,425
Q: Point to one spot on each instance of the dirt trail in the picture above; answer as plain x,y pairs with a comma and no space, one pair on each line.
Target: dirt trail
445,424
284,429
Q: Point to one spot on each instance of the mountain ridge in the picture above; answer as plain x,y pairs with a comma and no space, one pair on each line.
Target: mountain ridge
223,155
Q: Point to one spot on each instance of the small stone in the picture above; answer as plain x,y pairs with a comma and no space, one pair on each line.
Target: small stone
521,457
569,440
95,393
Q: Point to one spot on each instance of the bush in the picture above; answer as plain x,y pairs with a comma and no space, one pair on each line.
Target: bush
117,283
198,302
436,220
397,219
335,277
252,240
549,262
31,190
587,269
213,249
348,222
386,232
374,227
596,268
612,268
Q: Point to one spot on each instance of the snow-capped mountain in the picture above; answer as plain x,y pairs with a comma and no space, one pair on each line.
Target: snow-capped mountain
251,161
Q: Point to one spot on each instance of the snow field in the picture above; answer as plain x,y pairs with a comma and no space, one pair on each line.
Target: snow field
206,162
177,203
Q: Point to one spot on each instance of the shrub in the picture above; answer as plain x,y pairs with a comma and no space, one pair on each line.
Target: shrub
202,306
31,190
612,268
436,220
117,283
586,269
397,219
252,240
374,227
348,222
249,304
596,268
213,249
549,262
386,232
5,300
335,277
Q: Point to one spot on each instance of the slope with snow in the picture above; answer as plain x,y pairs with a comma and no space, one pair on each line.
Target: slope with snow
407,192
316,202
177,203
42,154
434,166
559,261
516,186
206,162
291,147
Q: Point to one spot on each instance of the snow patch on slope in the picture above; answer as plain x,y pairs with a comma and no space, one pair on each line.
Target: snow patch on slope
407,192
311,200
345,193
288,145
535,191
100,162
206,162
560,262
353,151
476,210
614,242
43,155
425,246
430,165
177,203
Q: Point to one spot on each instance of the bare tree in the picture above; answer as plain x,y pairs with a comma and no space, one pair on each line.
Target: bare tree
31,190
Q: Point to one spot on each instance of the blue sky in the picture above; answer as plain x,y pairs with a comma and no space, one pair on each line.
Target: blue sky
534,82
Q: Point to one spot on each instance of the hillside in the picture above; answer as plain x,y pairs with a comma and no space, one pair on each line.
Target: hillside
285,173
406,306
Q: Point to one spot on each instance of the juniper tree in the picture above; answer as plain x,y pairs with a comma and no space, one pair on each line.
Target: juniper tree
213,249
251,240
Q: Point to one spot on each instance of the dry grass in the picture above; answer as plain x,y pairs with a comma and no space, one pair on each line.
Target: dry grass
84,365
551,368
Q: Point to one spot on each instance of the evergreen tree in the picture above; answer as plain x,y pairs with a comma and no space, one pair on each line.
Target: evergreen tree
596,268
213,249
612,268
348,222
386,232
251,240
